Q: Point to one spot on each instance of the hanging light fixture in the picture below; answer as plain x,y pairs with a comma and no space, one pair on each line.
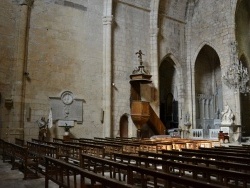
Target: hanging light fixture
236,76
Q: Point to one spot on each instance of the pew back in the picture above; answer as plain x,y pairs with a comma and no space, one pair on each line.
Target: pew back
60,172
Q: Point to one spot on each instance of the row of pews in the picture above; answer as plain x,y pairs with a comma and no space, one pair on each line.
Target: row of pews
129,162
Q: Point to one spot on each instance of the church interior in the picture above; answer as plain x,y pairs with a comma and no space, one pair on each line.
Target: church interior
124,93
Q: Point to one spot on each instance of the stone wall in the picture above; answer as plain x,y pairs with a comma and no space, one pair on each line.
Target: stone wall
64,52
10,68
66,55
131,34
210,23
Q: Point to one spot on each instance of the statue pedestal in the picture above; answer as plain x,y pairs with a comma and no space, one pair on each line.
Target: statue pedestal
234,132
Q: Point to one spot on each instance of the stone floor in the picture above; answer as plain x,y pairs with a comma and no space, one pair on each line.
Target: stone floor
14,178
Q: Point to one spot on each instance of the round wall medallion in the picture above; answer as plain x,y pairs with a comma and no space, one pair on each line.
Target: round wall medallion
67,97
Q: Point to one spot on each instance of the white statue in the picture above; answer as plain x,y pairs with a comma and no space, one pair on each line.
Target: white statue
187,119
227,116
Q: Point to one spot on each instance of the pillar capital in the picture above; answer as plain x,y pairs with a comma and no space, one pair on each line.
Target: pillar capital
107,20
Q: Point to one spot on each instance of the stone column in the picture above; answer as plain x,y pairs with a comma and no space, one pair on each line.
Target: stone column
203,108
237,130
155,68
107,68
19,93
154,30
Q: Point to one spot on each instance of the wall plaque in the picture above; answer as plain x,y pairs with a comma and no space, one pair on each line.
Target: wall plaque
67,107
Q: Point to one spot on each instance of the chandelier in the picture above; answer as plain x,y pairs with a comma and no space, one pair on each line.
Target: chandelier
236,76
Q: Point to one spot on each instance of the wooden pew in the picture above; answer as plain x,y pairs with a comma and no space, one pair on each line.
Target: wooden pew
41,150
212,175
38,141
1,146
58,140
68,152
216,152
128,139
164,145
239,147
99,138
139,175
208,156
86,140
61,173
7,151
19,142
150,147
109,147
74,140
102,165
169,180
92,149
199,161
24,159
235,149
239,153
132,148
246,145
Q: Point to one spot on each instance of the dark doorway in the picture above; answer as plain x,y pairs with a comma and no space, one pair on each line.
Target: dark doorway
124,126
169,94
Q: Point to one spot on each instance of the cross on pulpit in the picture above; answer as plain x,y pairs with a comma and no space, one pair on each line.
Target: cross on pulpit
140,56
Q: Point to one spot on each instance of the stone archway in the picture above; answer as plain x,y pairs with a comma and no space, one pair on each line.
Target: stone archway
169,79
208,90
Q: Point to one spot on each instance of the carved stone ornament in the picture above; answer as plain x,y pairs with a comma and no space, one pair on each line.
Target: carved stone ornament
67,97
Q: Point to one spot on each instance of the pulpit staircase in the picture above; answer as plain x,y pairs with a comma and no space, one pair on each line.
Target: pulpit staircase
142,113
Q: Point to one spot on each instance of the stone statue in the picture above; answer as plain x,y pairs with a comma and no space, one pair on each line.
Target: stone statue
227,116
43,128
187,119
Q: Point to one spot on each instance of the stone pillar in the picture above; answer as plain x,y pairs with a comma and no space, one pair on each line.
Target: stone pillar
202,108
237,130
107,68
20,78
155,68
154,30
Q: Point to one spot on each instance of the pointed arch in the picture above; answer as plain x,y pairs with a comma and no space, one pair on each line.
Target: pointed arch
198,49
207,86
175,61
171,84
